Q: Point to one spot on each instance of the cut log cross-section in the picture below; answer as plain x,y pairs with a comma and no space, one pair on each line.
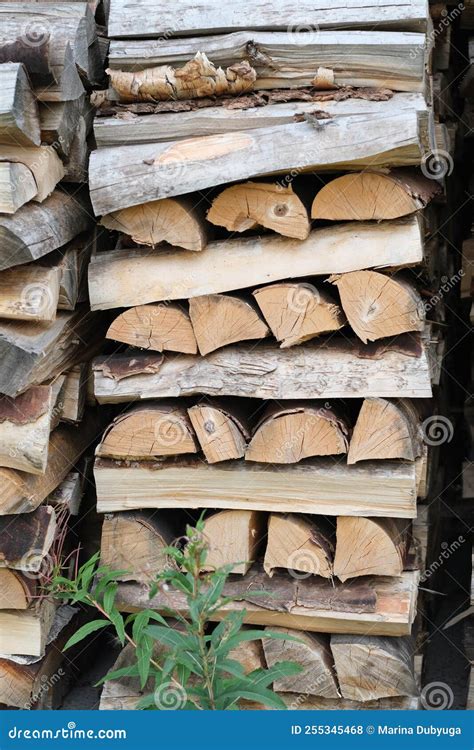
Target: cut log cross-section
378,306
172,220
301,544
386,429
27,538
311,651
44,164
370,546
29,292
134,544
374,196
288,434
221,319
19,116
368,668
164,326
146,432
222,430
234,538
253,204
17,186
16,590
297,312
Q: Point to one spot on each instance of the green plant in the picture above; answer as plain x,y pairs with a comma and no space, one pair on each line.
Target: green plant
195,666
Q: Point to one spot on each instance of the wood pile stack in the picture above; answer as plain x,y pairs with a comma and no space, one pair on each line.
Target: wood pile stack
50,57
274,197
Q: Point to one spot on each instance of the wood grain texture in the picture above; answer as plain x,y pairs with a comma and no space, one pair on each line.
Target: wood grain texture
124,278
126,16
318,486
19,115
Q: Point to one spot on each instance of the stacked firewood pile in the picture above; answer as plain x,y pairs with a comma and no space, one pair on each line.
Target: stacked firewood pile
275,197
50,57
267,340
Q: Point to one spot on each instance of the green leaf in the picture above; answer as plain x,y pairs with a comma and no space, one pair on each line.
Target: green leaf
143,653
118,623
87,629
109,596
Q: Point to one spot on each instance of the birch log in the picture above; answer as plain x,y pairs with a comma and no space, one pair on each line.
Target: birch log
290,59
333,369
131,175
318,486
122,278
126,17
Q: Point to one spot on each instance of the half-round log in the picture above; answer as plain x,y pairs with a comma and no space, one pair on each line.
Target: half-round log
254,204
297,312
365,196
300,544
171,220
233,538
297,431
385,429
156,327
221,319
378,306
369,546
146,432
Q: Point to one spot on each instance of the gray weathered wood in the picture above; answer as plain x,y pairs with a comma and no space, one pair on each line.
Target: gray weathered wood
143,18
357,58
37,229
332,369
124,278
129,175
19,117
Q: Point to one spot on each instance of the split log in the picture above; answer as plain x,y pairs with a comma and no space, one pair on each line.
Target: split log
368,668
122,278
370,546
19,116
17,186
70,492
363,196
77,163
234,538
318,486
72,261
155,327
250,113
59,122
328,60
29,292
254,204
198,78
298,312
25,424
329,369
35,230
25,632
378,306
146,432
221,429
31,354
26,539
22,493
386,429
42,161
311,651
17,590
126,19
175,221
286,435
219,320
131,175
72,396
385,605
134,544
302,545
